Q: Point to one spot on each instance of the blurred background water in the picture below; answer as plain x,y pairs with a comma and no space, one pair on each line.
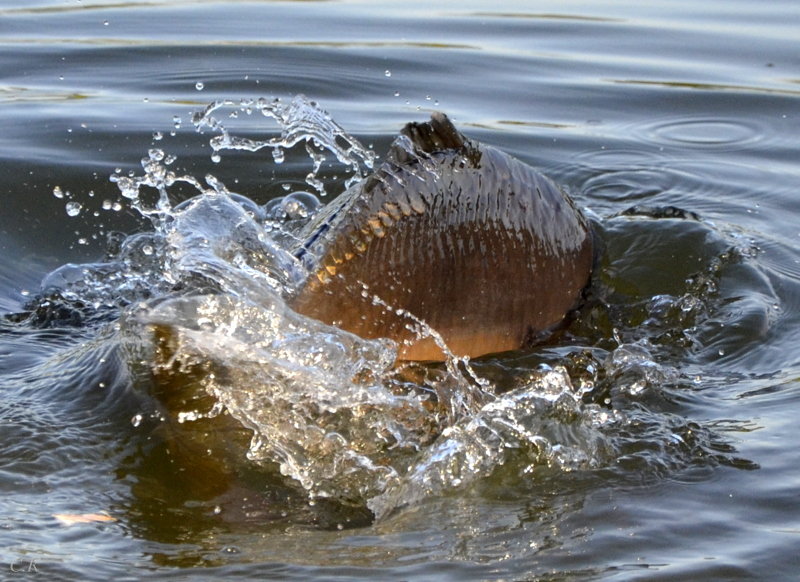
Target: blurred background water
682,104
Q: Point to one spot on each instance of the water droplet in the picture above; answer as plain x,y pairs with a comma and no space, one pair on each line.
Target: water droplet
105,23
73,208
199,86
147,250
57,192
158,136
176,121
388,73
136,420
397,93
216,158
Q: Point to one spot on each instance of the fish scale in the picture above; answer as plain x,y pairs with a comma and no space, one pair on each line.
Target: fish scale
479,246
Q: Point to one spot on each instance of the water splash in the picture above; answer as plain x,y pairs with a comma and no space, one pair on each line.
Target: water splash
541,423
328,408
301,120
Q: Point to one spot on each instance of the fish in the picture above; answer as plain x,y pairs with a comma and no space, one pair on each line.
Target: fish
450,247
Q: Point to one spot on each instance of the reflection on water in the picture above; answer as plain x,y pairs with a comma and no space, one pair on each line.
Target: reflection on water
157,375
709,86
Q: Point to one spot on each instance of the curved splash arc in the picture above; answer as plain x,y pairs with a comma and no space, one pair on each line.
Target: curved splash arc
300,120
478,245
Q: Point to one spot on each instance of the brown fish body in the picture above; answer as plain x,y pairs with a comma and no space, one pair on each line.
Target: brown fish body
472,242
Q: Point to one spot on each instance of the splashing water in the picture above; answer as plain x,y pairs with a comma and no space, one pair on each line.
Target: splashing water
328,408
300,121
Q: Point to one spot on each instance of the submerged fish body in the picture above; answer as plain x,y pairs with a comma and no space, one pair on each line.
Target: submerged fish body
449,240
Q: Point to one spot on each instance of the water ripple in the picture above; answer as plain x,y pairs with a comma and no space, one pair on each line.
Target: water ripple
701,133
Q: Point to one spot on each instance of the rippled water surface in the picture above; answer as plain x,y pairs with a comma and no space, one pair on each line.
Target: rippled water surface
166,415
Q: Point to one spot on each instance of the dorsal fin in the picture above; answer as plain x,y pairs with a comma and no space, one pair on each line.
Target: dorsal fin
435,135
427,137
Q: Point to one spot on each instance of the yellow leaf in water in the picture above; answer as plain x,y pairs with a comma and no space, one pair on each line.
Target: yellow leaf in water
73,518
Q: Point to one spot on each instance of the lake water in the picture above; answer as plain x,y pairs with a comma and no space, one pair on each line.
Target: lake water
654,440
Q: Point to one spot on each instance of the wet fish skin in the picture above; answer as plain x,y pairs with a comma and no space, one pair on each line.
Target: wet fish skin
453,233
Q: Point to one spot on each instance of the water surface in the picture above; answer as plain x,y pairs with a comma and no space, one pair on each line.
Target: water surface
652,441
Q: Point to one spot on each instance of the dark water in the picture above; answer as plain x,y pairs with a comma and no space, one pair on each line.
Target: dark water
663,447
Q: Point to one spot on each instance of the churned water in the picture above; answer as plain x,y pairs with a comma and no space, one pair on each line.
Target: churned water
166,415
